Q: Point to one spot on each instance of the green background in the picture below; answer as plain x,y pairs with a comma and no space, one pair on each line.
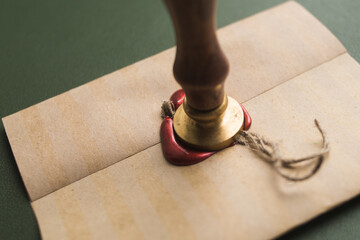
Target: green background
48,47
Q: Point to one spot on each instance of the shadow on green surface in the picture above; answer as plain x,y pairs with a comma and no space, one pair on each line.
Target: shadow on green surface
337,218
17,220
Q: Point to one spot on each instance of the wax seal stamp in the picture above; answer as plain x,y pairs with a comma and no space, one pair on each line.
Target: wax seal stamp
208,119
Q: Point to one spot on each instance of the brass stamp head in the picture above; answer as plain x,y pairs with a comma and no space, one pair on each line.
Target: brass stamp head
211,130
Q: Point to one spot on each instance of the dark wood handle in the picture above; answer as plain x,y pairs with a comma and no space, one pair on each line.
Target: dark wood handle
200,66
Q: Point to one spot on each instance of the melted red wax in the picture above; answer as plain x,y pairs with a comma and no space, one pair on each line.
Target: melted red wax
177,98
247,119
173,151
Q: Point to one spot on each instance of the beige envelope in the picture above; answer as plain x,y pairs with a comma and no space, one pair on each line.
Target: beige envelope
92,164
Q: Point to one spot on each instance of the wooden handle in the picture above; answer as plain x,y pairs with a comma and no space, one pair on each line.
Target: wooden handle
200,66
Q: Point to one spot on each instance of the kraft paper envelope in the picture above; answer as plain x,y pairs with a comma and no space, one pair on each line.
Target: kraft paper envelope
92,164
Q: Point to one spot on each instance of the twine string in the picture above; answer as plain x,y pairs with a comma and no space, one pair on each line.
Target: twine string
167,109
288,168
269,152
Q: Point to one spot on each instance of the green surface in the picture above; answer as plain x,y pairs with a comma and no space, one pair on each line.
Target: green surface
48,47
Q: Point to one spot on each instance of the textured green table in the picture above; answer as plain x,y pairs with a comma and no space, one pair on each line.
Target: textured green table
48,47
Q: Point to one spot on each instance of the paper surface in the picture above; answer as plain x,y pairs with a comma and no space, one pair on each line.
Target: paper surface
285,66
234,193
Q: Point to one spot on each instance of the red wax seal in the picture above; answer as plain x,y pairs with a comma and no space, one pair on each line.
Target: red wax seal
177,98
172,150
